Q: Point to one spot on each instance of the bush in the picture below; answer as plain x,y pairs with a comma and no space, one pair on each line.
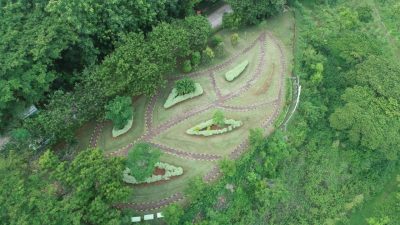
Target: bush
235,39
196,59
216,40
199,129
170,171
187,67
220,49
185,86
174,98
231,21
218,118
141,160
120,111
208,55
235,72
20,134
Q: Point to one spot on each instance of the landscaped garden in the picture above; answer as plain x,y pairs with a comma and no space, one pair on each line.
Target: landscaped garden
199,117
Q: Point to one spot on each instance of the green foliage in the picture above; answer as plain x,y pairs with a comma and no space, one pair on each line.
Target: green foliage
204,128
119,110
170,171
185,86
187,66
173,214
216,40
219,118
365,14
208,55
141,160
175,98
196,59
234,39
220,49
82,191
231,21
253,11
236,71
20,134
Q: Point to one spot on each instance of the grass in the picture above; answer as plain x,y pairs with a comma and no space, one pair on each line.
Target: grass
265,89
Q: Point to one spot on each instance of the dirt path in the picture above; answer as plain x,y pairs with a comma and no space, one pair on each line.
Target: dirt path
215,18
214,173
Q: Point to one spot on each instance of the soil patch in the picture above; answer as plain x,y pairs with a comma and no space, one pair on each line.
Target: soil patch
267,83
159,171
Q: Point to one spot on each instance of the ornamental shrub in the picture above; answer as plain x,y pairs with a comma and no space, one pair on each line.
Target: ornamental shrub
141,160
185,86
208,55
235,39
187,67
196,59
216,40
120,111
231,21
174,98
236,71
219,118
220,49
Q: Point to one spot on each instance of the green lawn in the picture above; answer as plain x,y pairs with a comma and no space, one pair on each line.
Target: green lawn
265,89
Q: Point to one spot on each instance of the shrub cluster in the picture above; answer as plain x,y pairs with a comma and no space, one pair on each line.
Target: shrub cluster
175,98
199,129
170,171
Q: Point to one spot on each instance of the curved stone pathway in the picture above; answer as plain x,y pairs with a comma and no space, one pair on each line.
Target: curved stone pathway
151,131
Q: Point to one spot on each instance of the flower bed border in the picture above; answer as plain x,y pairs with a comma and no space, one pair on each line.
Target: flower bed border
170,171
236,71
198,129
127,127
173,99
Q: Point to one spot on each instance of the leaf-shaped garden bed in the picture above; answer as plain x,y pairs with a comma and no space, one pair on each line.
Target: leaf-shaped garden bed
209,127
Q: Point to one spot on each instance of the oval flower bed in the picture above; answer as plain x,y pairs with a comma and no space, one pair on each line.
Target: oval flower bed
163,171
174,98
205,128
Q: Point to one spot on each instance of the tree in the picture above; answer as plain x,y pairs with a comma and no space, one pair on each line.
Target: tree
216,40
234,39
187,66
141,160
369,120
198,29
253,11
185,86
56,192
173,213
120,111
219,118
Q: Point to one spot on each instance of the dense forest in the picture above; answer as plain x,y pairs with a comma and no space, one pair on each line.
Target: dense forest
70,58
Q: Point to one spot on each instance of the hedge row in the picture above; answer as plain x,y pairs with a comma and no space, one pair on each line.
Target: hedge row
170,171
174,98
199,129
235,72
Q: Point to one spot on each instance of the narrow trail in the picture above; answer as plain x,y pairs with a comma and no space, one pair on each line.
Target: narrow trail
152,131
